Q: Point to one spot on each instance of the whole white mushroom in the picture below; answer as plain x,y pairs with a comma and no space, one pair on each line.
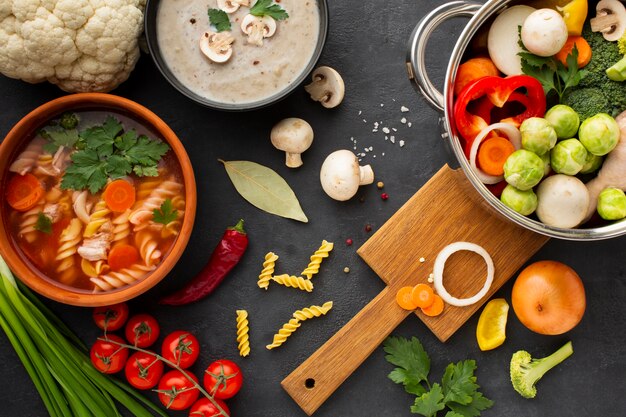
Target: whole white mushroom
341,175
544,32
294,136
562,201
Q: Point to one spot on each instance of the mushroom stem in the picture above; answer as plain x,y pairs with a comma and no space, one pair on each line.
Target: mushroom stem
293,160
366,175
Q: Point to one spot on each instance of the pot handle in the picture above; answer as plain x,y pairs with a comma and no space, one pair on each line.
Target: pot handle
416,64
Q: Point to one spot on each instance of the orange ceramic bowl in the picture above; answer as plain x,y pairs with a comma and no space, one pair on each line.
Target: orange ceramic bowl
24,130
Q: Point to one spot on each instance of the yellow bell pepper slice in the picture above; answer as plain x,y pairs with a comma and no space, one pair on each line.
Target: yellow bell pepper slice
574,14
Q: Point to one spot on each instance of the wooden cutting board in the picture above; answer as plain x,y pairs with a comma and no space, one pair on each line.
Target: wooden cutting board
440,213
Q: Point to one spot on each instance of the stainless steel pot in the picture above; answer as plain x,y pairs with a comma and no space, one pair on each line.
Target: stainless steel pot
416,67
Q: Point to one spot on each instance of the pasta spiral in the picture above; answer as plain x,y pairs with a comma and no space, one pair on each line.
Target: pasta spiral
148,247
146,186
118,279
142,215
99,216
242,333
68,244
313,311
284,333
27,160
81,205
44,166
28,222
268,269
317,258
294,282
121,227
93,269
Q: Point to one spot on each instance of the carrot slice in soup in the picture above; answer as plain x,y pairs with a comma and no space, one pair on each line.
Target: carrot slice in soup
405,299
123,256
23,192
435,309
119,195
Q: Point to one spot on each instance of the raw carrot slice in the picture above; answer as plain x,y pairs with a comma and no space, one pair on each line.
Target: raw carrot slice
23,192
584,51
423,295
119,195
493,153
123,256
435,309
404,298
473,69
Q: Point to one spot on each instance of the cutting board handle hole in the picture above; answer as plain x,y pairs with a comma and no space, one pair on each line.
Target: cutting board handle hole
309,383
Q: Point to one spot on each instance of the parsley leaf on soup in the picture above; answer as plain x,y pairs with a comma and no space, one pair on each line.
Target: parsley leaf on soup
266,8
166,213
43,224
59,137
219,19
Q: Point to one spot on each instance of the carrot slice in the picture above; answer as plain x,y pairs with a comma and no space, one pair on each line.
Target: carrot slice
493,153
423,295
123,256
404,298
435,309
23,192
119,195
584,51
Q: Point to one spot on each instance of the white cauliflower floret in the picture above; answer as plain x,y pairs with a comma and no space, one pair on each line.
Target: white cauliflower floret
80,45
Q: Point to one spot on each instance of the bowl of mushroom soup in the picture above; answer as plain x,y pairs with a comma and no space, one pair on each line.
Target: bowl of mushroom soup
236,54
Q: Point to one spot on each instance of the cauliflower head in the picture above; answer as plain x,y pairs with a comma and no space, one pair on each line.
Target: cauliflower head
79,45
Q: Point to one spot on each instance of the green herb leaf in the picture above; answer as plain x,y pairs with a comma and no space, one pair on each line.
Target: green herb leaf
219,19
146,152
410,356
428,404
68,121
459,382
479,403
453,414
142,171
264,189
43,224
59,137
266,8
166,213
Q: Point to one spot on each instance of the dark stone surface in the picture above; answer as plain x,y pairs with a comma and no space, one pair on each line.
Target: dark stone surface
367,44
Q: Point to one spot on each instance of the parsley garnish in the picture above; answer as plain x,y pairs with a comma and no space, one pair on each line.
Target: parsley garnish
550,72
458,390
266,8
107,151
59,137
219,19
165,214
43,224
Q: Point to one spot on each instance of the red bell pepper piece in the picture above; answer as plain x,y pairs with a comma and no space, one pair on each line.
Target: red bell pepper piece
498,91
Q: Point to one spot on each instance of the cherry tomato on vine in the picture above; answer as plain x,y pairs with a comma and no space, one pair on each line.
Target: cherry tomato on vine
111,318
176,391
205,408
142,330
109,357
223,379
143,370
181,347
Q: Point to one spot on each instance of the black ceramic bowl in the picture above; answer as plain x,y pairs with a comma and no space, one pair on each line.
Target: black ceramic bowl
153,45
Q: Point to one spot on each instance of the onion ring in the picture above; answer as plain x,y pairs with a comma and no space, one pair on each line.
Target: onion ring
515,137
440,263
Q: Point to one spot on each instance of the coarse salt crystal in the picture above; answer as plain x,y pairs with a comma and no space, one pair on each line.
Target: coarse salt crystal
371,148
394,129
383,154
392,139
404,109
382,105
401,143
386,129
422,260
364,121
403,120
360,112
409,124
386,137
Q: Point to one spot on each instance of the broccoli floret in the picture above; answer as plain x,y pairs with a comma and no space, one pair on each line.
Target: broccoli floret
68,121
526,371
586,101
621,44
604,55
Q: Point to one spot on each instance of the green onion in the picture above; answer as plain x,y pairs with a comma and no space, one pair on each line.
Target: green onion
56,359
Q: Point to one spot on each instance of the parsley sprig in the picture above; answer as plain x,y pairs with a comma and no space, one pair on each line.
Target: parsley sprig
458,391
219,19
108,152
550,72
266,8
166,213
43,224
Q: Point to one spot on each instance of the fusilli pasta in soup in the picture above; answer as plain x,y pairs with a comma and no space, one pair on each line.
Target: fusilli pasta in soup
94,200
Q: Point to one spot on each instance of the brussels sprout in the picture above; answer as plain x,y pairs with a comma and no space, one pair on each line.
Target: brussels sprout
547,167
524,202
592,163
538,135
523,169
564,120
568,157
599,134
612,204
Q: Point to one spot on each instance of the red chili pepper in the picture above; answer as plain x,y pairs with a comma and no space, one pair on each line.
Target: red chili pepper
498,91
224,258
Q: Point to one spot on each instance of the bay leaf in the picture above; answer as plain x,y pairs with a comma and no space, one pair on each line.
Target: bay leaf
264,189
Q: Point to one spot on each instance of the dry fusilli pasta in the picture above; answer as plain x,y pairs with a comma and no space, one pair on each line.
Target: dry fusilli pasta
294,282
117,279
284,333
243,329
317,258
68,245
313,311
268,269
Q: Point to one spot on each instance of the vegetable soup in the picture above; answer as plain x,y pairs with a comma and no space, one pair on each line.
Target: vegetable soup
94,200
